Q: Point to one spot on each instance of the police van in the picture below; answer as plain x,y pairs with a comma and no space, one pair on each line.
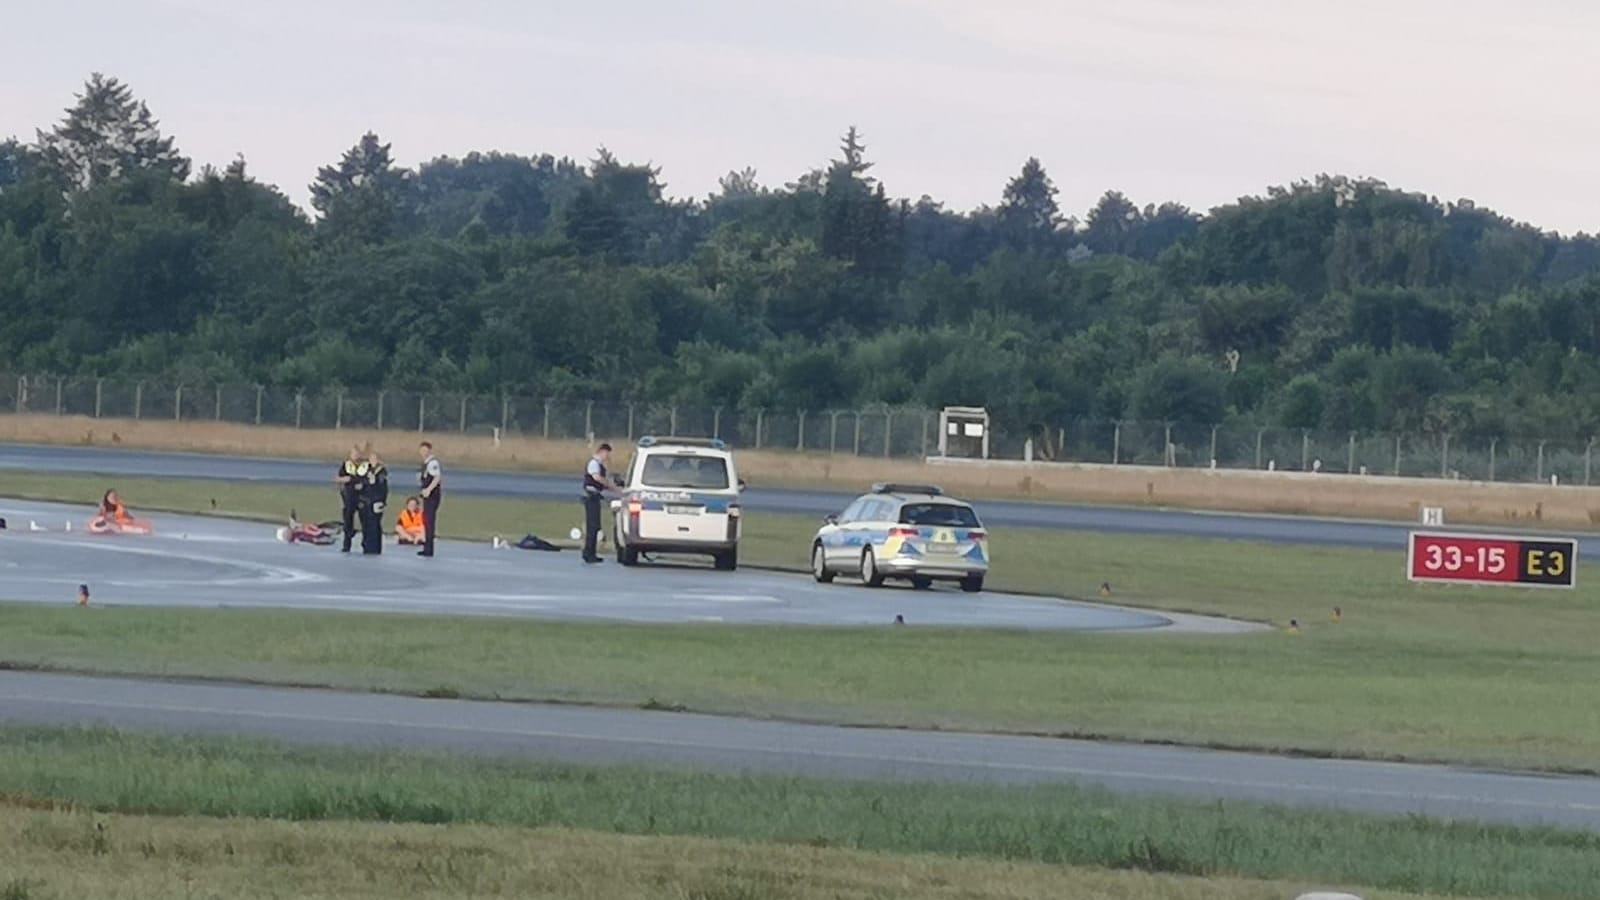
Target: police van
680,495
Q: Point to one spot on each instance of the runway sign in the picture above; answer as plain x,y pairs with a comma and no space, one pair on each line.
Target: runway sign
1489,559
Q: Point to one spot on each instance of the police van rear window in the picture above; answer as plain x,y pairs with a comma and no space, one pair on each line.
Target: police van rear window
946,515
702,473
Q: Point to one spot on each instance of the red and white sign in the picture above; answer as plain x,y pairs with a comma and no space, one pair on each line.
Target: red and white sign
1491,559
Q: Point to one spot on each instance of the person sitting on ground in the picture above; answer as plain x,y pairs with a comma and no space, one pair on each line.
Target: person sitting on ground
113,516
409,530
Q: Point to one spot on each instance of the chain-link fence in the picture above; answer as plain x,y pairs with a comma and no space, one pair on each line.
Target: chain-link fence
876,432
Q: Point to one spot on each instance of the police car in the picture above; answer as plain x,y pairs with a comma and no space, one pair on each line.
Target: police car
904,531
680,495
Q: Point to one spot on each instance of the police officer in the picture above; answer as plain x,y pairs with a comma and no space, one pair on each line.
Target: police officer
431,477
374,497
351,478
595,487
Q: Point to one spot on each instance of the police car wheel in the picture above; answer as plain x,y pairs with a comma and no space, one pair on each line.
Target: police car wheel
921,582
870,576
819,566
628,556
727,561
972,584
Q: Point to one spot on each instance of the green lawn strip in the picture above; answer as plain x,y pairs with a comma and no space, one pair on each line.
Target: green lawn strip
125,773
1497,677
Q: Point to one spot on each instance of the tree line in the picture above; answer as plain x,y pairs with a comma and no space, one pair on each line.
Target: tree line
1332,303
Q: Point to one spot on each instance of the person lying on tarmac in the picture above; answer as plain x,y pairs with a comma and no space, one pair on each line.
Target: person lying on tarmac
410,530
113,517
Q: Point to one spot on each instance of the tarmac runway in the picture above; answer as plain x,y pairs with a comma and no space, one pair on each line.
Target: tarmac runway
1109,520
709,743
208,562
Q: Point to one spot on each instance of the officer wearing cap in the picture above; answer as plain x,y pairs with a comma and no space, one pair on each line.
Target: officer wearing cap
595,487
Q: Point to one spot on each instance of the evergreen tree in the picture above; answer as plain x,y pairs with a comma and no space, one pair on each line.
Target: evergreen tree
1028,212
108,134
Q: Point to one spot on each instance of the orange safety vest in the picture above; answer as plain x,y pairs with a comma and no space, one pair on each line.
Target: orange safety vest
410,521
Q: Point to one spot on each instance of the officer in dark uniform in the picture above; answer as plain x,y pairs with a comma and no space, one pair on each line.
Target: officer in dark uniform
351,478
431,477
595,487
374,497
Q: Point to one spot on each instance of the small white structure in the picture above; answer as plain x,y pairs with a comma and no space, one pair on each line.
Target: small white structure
964,432
1433,516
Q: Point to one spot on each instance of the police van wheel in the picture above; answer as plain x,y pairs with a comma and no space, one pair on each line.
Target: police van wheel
727,561
870,576
819,566
626,555
972,584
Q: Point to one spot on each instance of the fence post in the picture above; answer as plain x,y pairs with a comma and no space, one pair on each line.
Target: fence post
422,412
1588,456
338,411
1116,443
760,413
463,428
1213,445
857,445
1492,443
800,441
1397,438
1167,453
833,432
259,391
716,422
1350,460
99,385
505,413
547,420
630,422
138,399
1305,449
888,431
1540,476
177,404
672,420
588,419
1259,433
59,379
381,396
22,392
218,412
1444,457
299,406
926,417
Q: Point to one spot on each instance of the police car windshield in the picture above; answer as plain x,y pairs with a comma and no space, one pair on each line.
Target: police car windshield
666,470
947,515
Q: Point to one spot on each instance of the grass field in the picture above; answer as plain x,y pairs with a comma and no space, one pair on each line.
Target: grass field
1464,675
1247,491
776,837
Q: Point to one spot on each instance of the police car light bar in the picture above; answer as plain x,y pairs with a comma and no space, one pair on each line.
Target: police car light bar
892,488
650,440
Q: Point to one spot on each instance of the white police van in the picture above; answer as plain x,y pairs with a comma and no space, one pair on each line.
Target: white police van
680,495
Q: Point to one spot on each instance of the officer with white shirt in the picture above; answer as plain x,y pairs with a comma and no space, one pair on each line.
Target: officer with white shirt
431,478
596,485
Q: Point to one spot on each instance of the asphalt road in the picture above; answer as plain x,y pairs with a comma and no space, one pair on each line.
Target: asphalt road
1110,520
194,561
633,737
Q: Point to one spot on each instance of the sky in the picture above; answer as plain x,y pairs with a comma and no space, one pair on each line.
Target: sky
1197,101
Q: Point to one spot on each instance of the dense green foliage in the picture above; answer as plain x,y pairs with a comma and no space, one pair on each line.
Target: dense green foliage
1332,303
